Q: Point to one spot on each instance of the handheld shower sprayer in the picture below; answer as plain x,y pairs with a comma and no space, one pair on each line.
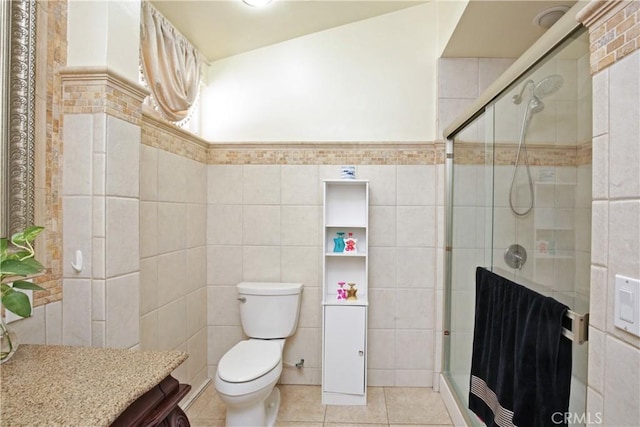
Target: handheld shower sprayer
545,87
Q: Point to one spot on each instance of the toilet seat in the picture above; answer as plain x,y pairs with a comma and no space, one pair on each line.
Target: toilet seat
253,385
248,360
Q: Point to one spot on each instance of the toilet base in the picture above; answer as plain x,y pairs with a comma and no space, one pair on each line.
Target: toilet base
264,414
271,406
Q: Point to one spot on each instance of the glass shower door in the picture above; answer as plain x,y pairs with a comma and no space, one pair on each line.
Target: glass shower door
520,204
470,165
542,187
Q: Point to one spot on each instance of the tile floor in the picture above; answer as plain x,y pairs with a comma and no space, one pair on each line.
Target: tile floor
386,406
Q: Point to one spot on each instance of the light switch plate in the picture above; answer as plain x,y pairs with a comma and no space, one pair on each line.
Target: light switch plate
627,304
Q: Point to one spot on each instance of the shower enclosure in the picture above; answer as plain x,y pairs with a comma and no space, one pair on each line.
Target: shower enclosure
520,203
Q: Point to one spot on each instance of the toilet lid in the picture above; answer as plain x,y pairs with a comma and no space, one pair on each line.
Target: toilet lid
249,360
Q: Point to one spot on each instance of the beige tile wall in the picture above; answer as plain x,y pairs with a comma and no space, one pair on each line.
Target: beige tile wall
614,29
172,241
613,388
101,219
264,223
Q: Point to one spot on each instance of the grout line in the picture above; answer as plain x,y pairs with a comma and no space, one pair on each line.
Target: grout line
386,406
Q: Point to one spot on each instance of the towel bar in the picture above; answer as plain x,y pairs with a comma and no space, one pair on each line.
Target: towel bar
579,331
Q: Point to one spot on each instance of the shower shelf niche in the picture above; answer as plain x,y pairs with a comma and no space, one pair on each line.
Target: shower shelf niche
553,230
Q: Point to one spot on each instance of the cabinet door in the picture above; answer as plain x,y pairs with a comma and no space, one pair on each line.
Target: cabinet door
344,349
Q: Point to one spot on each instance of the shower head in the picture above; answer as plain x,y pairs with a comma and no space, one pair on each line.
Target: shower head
535,105
517,99
548,86
542,89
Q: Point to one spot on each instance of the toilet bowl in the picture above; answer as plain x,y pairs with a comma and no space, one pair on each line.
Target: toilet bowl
246,379
247,374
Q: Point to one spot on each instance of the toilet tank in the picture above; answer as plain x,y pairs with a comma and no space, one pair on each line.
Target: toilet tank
269,309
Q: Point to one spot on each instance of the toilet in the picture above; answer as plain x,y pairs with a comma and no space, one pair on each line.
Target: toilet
247,374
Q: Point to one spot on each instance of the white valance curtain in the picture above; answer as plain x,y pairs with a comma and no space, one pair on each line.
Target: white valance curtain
171,65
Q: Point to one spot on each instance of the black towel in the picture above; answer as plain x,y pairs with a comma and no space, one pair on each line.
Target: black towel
521,363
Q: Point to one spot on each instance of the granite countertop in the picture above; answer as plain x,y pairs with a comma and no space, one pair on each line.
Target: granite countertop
77,386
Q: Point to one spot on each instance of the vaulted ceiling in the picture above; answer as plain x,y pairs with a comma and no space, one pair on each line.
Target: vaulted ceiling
222,28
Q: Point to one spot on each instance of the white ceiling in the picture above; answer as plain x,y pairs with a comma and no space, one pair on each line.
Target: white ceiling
222,28
498,29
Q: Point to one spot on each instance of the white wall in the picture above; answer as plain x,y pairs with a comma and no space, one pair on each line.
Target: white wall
373,80
449,13
105,32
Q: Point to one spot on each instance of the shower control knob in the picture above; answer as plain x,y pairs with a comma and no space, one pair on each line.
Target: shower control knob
515,256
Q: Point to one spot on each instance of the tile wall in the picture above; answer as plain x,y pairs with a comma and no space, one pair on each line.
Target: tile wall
614,386
100,204
173,296
264,223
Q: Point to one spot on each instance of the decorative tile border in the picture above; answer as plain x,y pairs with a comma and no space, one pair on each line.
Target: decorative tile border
584,154
614,30
158,133
99,90
51,55
326,153
538,154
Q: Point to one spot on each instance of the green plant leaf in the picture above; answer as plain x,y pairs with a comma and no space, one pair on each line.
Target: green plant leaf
21,254
22,284
16,302
14,267
4,246
28,235
3,289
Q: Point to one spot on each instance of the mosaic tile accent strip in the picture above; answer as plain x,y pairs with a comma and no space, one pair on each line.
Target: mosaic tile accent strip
51,48
538,154
584,155
614,30
98,90
469,153
158,133
327,153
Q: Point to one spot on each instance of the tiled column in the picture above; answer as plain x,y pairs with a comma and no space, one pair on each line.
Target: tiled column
614,355
101,133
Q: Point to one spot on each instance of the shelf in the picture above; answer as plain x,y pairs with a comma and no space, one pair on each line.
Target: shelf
344,323
346,254
358,303
554,228
556,255
573,184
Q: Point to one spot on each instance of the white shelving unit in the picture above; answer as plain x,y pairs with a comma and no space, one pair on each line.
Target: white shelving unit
344,322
